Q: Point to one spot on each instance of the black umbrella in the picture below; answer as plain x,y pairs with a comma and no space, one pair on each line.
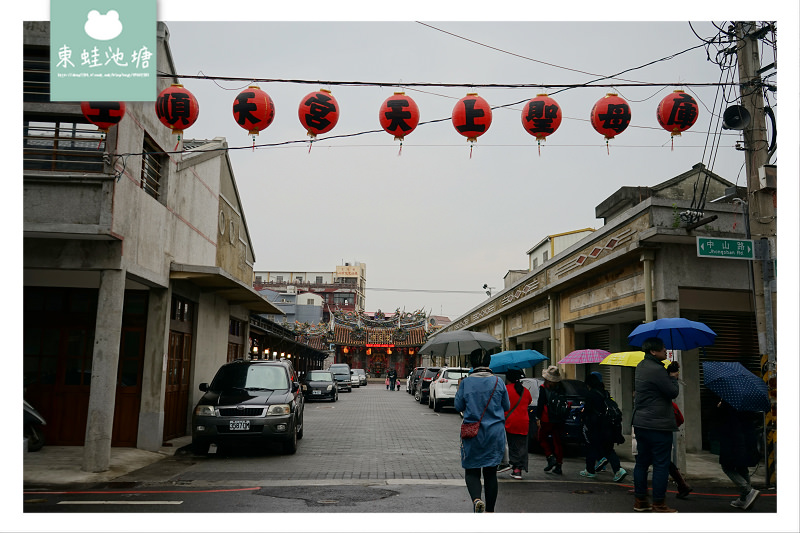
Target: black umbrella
458,342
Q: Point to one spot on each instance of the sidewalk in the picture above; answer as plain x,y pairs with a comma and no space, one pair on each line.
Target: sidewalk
61,465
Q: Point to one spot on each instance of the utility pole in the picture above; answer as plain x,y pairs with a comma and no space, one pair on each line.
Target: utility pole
762,201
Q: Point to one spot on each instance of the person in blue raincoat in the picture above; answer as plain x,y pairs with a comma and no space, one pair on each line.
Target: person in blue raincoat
481,454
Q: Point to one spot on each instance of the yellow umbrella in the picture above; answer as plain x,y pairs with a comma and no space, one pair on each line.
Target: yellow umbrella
626,359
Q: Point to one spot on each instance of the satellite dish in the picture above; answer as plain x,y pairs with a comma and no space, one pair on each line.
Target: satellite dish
735,117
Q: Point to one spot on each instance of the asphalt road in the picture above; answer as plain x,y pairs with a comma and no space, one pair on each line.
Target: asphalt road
373,451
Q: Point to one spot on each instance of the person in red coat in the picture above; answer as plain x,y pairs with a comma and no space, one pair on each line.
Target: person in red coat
517,423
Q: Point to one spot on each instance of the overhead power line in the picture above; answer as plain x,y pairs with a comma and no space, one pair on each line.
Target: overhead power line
423,290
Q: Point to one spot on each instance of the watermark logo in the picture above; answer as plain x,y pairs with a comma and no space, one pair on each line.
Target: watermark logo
103,50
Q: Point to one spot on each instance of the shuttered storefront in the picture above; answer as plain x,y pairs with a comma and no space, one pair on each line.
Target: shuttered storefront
599,340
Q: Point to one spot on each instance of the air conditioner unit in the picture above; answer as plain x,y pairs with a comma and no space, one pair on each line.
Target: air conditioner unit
768,177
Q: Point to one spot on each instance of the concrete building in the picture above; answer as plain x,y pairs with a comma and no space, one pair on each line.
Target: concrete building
596,291
301,308
343,289
138,268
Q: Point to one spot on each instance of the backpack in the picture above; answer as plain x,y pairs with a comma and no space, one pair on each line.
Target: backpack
612,414
558,407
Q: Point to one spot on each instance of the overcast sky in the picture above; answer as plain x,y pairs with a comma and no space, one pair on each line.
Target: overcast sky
435,219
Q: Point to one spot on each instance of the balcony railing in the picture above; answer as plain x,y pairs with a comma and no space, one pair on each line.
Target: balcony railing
62,146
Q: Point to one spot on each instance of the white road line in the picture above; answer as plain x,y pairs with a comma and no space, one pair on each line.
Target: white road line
109,502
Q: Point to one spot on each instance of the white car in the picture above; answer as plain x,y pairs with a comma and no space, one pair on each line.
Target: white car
444,387
355,381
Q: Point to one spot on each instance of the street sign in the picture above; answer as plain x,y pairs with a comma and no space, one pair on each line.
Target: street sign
725,248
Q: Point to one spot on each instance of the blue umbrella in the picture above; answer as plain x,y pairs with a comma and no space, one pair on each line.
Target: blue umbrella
515,359
677,333
737,386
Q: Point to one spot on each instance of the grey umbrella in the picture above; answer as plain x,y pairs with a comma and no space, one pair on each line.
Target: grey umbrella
459,342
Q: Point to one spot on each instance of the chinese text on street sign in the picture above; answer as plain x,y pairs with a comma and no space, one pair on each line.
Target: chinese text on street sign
725,248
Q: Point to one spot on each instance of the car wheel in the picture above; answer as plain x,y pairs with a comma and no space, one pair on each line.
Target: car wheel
430,401
199,447
290,445
437,407
335,396
302,427
422,398
35,437
416,395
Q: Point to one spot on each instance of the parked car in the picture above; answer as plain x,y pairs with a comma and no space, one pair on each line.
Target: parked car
341,372
443,388
320,385
355,381
414,379
424,383
576,393
362,376
249,401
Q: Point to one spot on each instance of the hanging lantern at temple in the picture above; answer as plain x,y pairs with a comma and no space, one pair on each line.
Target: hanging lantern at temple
318,112
253,110
103,114
177,109
399,115
677,112
472,116
610,116
541,116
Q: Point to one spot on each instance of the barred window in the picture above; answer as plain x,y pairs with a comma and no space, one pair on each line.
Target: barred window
154,164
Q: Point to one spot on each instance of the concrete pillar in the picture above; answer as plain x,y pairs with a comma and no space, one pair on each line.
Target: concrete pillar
671,309
567,345
154,374
105,360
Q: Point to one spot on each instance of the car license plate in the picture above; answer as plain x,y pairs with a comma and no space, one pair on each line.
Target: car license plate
316,392
239,425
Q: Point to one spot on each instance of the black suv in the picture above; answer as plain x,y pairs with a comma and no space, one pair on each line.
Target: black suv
424,384
415,375
249,401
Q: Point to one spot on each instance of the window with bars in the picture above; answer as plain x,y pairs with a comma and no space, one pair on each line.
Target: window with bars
154,166
54,144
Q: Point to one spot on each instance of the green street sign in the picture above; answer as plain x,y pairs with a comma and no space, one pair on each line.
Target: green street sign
725,248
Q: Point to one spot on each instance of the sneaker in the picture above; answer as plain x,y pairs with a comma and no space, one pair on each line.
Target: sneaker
516,474
551,462
557,470
478,506
661,507
600,465
503,468
586,473
620,474
738,502
750,499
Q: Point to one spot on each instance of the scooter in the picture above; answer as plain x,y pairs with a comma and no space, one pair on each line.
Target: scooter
33,427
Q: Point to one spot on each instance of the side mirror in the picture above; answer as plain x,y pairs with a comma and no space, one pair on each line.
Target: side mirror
295,386
204,387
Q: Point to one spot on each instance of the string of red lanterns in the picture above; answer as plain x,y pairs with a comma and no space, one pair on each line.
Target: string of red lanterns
399,115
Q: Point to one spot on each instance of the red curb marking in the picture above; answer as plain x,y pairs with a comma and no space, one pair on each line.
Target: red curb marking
142,491
693,493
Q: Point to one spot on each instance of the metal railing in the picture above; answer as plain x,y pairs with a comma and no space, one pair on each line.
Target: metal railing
62,146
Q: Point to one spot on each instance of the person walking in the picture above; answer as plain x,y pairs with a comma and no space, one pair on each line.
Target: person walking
600,432
481,397
654,423
517,423
674,472
392,375
738,451
550,419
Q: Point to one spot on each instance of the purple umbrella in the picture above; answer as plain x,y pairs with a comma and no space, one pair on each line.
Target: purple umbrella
581,357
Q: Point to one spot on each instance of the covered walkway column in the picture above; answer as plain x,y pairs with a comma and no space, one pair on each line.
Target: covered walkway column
154,373
105,359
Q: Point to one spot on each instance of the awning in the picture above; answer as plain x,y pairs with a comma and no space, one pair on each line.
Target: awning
214,279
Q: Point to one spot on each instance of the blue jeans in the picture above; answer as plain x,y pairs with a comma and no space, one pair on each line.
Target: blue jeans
654,448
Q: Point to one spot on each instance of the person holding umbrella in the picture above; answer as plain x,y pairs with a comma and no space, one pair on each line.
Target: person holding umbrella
482,398
653,422
738,451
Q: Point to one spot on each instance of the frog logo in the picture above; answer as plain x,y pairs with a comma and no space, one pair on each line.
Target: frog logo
103,27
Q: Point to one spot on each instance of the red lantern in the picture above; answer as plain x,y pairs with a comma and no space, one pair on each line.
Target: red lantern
103,114
177,108
541,116
472,116
399,115
677,112
253,110
611,115
318,112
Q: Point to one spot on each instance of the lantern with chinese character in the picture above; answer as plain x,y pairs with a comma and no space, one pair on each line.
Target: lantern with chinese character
541,117
318,112
399,115
103,114
610,116
677,112
177,108
253,110
472,116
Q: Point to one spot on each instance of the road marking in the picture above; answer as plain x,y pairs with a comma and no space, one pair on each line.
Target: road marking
106,502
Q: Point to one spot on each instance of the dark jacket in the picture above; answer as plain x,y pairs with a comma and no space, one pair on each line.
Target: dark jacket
541,403
738,438
655,390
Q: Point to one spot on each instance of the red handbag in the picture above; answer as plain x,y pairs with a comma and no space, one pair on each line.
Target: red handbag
469,430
